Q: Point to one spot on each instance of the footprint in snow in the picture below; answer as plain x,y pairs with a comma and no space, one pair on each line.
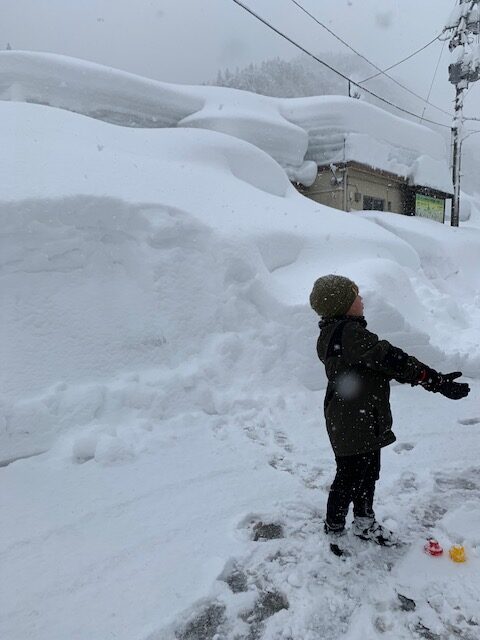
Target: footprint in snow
469,422
310,476
260,528
403,446
281,439
279,462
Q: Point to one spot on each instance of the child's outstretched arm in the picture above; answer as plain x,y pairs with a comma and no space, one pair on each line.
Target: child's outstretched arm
360,346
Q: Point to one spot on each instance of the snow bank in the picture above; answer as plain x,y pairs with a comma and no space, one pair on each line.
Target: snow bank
222,244
449,260
298,133
469,206
131,249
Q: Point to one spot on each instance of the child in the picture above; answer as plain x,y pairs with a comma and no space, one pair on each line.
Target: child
359,367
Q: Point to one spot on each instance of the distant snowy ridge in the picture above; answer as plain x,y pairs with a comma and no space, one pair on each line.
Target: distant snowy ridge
298,133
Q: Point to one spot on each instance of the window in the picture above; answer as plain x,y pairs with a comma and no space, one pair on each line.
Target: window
375,204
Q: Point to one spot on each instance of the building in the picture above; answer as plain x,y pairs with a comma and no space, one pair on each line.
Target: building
353,186
369,159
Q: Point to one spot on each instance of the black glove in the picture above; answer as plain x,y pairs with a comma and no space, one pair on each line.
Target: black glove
444,383
453,390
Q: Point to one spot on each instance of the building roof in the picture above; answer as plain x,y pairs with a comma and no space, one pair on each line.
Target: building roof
344,129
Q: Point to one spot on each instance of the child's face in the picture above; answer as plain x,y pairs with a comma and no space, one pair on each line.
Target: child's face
357,307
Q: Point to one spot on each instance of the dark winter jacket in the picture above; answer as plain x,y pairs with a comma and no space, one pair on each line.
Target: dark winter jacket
359,367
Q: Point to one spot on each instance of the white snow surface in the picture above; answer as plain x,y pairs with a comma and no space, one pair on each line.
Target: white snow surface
298,133
160,380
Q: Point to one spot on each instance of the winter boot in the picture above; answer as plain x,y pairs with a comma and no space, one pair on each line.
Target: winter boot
370,529
337,540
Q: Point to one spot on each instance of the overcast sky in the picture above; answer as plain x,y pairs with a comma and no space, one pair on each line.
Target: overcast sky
187,41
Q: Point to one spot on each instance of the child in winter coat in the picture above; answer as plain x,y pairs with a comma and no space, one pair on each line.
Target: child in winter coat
359,367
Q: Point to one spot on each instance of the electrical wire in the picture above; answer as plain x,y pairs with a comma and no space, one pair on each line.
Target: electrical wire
328,66
392,66
433,80
439,37
360,55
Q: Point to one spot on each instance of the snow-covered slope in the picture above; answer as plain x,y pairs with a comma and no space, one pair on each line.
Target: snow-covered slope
158,347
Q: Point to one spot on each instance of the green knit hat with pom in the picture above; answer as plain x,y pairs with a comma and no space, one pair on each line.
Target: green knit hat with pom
333,295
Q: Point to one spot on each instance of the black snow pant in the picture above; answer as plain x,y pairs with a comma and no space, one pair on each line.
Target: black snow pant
354,482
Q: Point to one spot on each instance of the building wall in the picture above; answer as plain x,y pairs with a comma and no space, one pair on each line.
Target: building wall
358,181
374,185
324,192
347,187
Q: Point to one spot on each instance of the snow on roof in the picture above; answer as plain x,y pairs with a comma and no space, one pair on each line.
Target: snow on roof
299,133
93,90
342,129
254,118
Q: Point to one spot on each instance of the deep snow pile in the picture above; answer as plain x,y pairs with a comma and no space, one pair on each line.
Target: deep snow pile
469,207
157,346
298,133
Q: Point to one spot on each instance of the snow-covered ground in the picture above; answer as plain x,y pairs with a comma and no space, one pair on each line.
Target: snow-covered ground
158,354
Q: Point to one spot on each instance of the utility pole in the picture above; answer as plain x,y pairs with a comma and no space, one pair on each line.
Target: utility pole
457,154
464,28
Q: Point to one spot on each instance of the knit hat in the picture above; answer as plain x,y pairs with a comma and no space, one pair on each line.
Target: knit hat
333,295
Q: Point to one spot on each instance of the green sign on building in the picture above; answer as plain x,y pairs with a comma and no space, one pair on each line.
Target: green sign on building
428,207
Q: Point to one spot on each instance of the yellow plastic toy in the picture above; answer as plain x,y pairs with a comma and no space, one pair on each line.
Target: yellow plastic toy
457,553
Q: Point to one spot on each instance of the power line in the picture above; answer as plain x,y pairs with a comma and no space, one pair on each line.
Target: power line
328,66
433,79
360,55
375,75
396,64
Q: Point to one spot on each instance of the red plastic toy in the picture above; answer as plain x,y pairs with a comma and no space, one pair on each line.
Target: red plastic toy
433,547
